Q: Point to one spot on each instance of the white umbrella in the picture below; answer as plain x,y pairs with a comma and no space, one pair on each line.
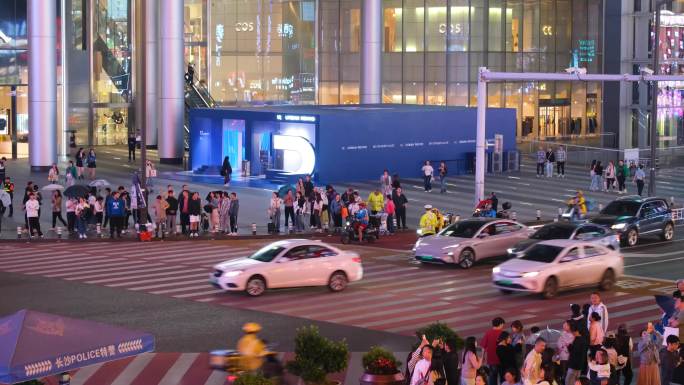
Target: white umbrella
99,183
5,198
53,187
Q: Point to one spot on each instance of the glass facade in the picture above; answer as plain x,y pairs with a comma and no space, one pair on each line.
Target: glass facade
432,50
670,124
258,50
13,74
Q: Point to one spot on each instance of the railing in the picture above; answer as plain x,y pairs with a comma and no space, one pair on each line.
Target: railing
585,155
678,216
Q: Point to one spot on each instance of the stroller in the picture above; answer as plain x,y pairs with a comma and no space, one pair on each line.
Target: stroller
370,233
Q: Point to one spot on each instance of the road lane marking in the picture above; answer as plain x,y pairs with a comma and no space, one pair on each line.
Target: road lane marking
654,262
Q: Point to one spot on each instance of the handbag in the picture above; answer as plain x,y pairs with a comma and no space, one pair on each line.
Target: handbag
424,380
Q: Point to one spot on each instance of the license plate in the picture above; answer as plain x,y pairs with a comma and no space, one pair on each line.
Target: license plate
506,282
426,257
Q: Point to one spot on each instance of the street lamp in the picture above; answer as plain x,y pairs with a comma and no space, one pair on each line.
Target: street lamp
654,98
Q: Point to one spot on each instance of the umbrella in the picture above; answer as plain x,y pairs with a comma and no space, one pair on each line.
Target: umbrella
99,183
35,345
283,190
549,335
53,187
5,198
77,191
666,303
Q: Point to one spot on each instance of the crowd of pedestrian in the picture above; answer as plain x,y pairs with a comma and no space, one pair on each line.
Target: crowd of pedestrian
585,352
613,178
307,207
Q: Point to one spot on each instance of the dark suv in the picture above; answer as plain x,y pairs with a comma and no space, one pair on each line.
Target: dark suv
634,216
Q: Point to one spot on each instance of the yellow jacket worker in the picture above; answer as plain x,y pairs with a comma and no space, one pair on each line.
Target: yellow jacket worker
251,348
428,222
439,220
376,202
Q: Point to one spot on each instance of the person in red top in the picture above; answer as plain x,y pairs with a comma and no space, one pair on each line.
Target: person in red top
390,210
488,343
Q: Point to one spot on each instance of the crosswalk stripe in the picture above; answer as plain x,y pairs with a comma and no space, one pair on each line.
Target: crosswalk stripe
73,264
184,281
14,257
179,368
203,284
128,266
52,261
190,295
133,369
111,277
120,269
85,373
391,309
134,279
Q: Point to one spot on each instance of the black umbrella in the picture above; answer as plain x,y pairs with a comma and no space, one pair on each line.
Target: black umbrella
666,303
77,191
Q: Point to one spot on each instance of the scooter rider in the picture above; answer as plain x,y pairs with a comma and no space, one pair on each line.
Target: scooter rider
428,222
251,348
361,220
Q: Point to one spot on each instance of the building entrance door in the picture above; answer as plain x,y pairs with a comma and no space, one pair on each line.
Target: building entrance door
554,118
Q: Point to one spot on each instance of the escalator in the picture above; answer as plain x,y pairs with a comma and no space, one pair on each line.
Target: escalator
196,96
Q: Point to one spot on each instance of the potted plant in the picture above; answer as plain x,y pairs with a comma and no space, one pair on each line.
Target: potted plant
317,356
252,379
380,367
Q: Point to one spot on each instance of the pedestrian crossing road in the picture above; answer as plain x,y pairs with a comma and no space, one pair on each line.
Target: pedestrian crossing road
396,295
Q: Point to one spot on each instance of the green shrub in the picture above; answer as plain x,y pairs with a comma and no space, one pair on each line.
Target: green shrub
252,379
379,360
317,356
439,330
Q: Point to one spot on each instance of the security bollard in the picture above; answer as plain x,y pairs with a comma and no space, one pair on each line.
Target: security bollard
600,206
514,216
560,213
98,230
253,228
19,231
290,229
179,228
538,215
672,203
458,218
59,232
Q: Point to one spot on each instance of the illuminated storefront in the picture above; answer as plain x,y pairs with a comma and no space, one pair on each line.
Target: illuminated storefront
670,94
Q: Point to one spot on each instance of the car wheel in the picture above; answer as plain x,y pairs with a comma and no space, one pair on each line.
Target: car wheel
338,281
467,259
506,291
631,238
255,287
550,288
345,239
668,232
608,280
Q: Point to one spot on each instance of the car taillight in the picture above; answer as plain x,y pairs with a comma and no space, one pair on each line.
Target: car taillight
357,259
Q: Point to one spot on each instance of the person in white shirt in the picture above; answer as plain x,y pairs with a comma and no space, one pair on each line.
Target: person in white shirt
421,372
32,206
531,370
427,175
598,307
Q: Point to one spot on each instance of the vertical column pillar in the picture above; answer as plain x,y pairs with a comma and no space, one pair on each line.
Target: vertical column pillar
480,138
42,93
371,52
151,71
172,108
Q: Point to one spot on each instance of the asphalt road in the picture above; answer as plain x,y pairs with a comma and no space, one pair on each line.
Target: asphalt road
656,259
178,325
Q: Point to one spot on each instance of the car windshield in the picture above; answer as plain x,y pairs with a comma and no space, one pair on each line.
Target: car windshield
542,253
553,232
462,229
621,208
267,253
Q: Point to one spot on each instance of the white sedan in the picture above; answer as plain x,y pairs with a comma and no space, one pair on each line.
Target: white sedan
557,264
289,263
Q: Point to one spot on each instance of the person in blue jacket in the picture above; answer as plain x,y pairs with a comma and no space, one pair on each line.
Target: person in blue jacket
116,209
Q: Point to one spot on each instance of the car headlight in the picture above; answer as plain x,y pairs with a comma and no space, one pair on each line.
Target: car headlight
530,274
618,226
510,251
451,253
233,273
419,231
496,270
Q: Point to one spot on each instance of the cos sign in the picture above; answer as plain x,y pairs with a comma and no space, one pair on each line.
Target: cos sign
454,29
244,27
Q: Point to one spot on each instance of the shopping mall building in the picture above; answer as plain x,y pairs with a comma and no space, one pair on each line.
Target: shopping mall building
113,58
